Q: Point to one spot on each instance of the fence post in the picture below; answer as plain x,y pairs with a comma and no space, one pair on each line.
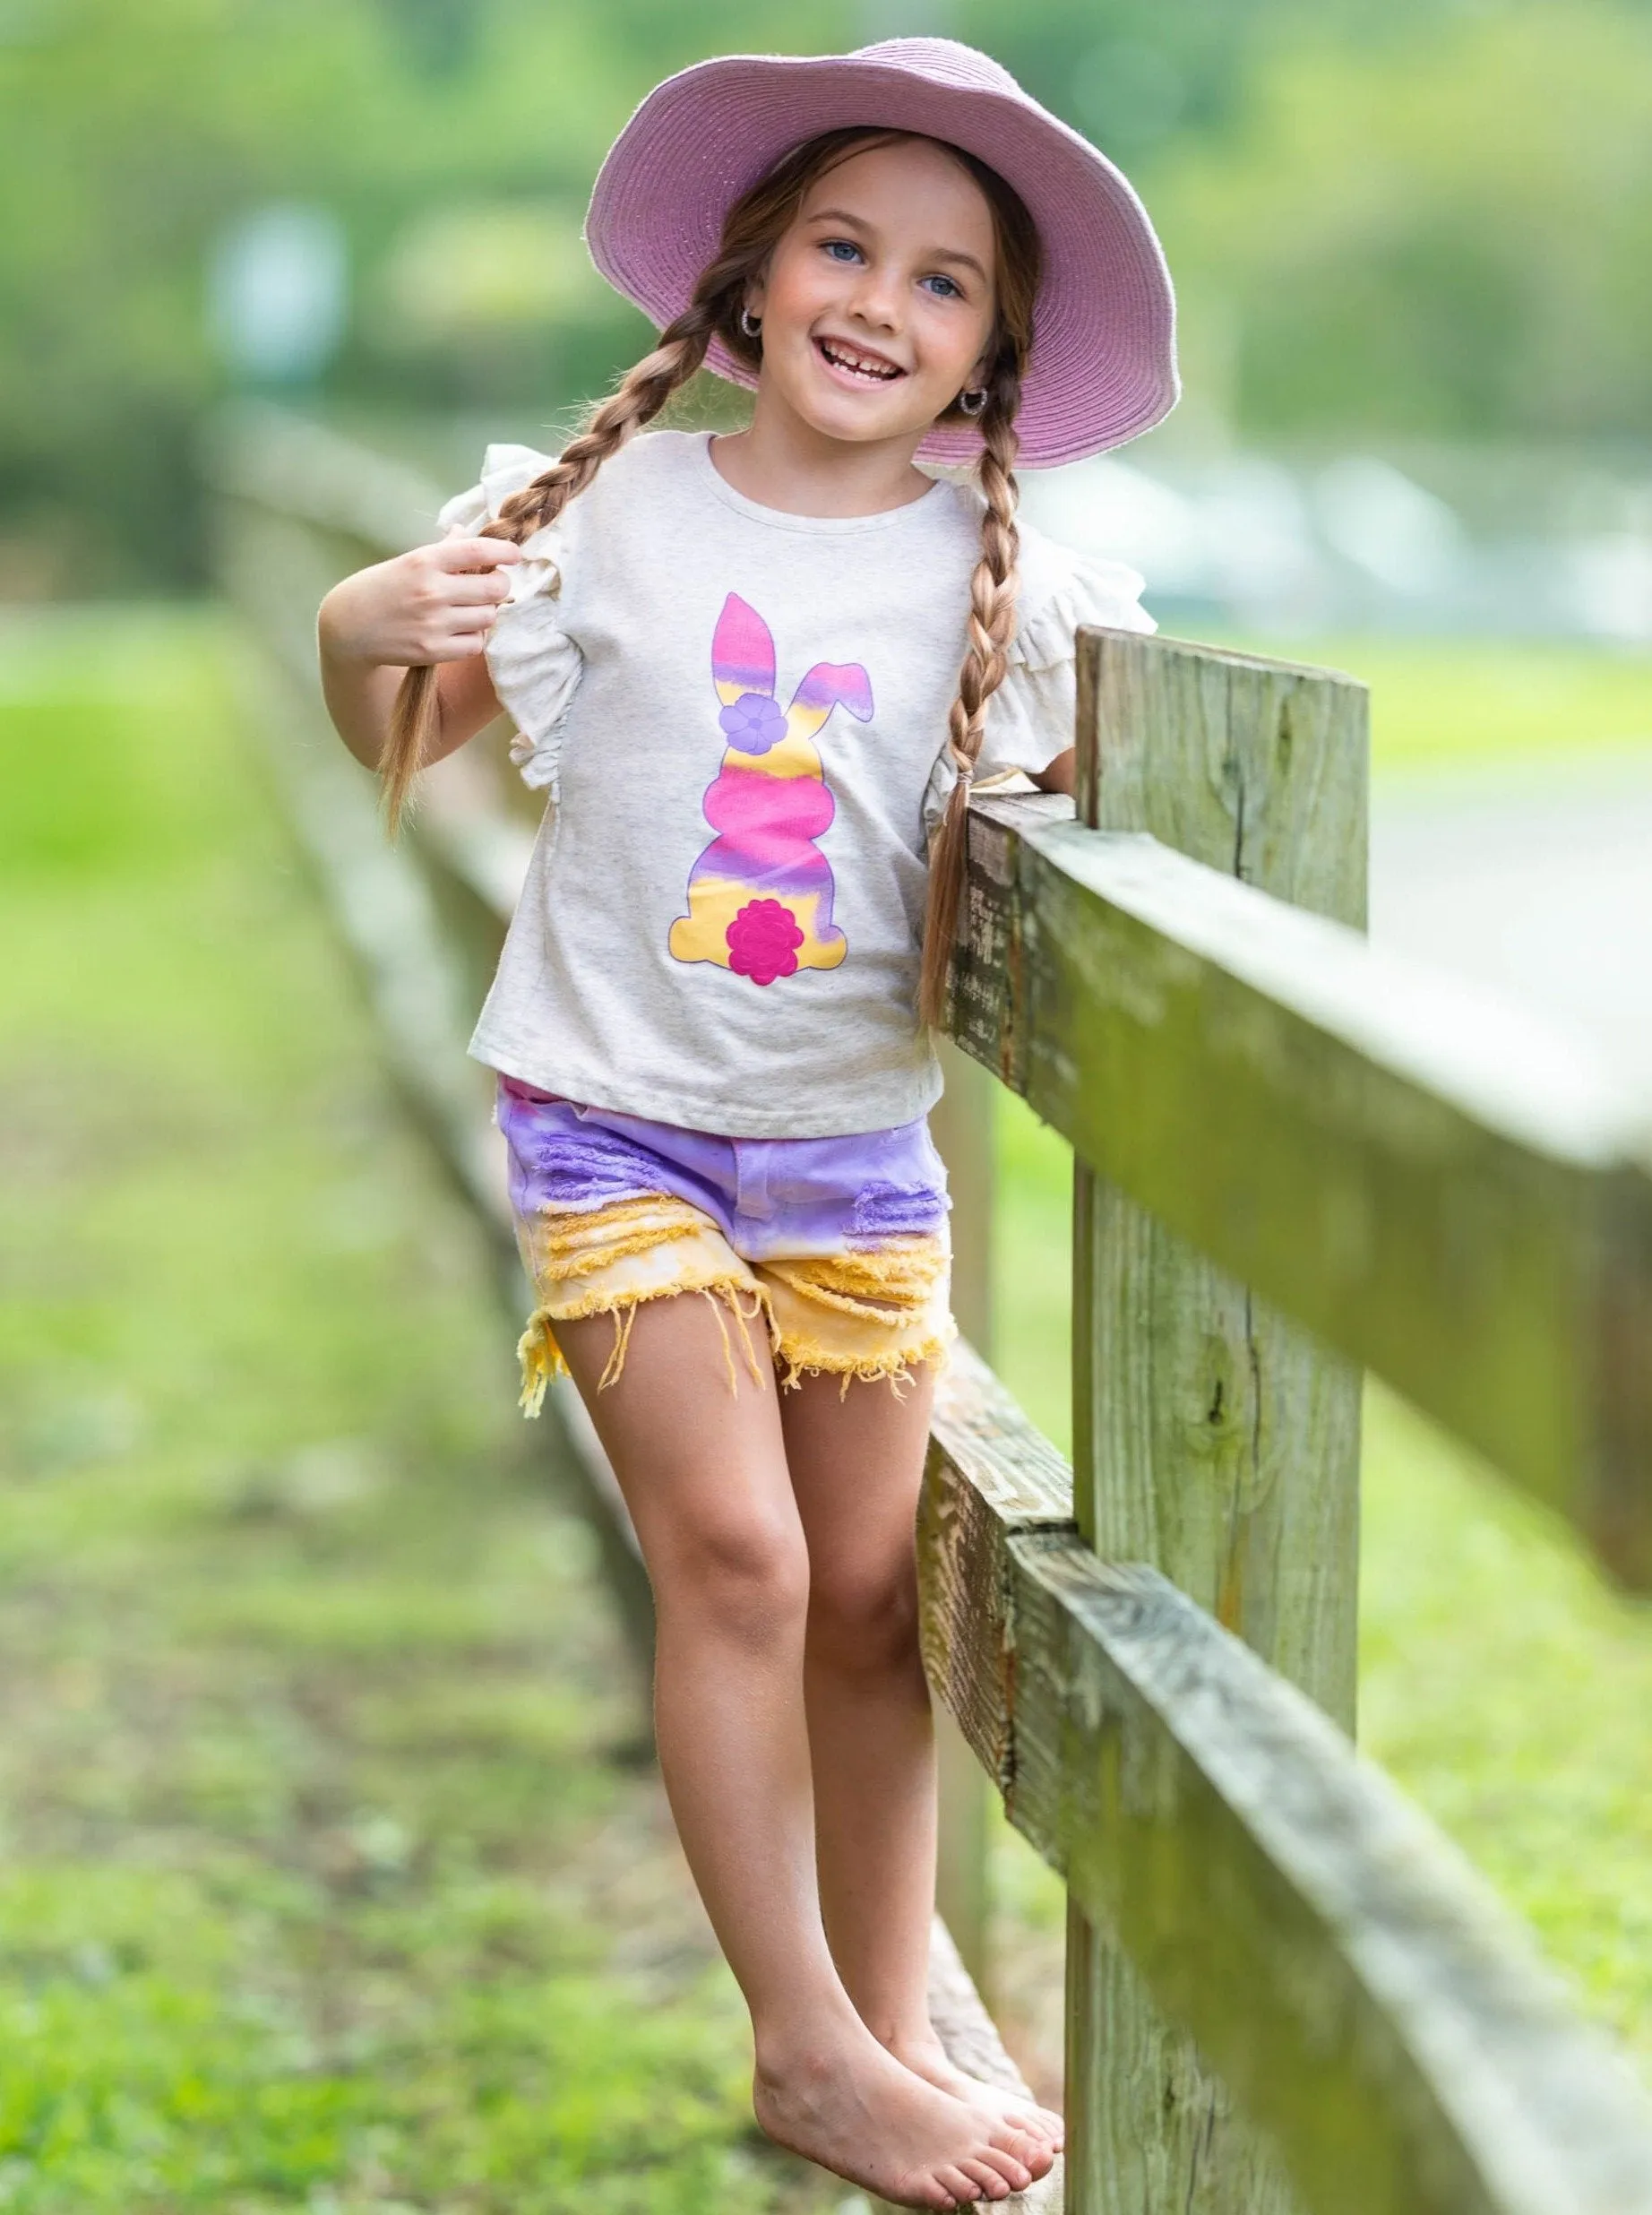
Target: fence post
962,1125
1212,1438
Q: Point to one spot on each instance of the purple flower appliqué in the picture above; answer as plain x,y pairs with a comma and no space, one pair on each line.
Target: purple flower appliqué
762,942
754,723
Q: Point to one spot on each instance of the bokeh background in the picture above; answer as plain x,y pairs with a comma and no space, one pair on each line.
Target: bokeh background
332,1873
1413,236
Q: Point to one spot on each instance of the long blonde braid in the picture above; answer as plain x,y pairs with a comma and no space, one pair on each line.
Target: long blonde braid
992,589
753,224
416,718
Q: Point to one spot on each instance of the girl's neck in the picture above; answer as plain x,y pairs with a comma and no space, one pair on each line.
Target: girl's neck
783,462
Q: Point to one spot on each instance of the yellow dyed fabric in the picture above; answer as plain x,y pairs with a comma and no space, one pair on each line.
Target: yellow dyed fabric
869,1313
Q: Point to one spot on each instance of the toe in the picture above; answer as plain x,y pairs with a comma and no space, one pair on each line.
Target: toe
925,2188
985,2182
1037,2130
1031,2152
964,2190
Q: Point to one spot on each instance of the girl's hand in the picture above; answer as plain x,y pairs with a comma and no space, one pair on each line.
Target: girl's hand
436,603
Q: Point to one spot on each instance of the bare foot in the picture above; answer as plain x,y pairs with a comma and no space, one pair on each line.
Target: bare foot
927,2059
853,2109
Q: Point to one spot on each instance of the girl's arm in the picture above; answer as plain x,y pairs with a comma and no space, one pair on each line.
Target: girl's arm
435,605
1057,776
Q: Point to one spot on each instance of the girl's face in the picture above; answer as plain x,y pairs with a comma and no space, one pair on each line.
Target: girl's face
878,303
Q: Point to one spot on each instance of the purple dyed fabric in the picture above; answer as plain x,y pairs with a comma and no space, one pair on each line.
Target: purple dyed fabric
770,1197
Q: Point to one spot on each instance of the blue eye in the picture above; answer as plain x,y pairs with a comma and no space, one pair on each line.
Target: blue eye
831,246
953,291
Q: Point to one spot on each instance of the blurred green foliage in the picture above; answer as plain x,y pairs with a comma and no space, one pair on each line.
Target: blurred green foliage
1451,236
1424,214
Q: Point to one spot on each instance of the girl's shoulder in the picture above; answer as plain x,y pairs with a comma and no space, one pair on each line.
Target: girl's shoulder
1059,589
507,468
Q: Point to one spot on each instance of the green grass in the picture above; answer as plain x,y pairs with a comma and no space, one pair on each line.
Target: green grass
1502,1683
329,1876
1437,704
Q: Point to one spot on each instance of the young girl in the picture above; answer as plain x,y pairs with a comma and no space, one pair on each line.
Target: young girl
756,676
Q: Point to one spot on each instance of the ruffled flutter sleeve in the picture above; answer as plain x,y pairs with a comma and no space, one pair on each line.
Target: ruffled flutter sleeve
1030,719
534,663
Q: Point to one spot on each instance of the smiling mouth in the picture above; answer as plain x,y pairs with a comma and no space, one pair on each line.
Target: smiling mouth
868,367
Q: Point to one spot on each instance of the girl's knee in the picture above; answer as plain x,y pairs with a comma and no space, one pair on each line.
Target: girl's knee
746,1578
864,1618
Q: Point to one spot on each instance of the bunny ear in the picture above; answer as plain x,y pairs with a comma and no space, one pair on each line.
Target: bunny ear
741,652
829,685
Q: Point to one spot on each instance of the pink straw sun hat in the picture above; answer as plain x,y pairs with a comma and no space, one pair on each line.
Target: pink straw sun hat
1103,366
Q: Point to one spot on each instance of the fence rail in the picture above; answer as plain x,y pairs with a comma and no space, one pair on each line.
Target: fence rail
1412,1170
1337,1961
1285,1989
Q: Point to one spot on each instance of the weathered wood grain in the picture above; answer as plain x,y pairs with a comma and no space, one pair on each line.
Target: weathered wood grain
1366,2001
1255,767
1427,1178
1014,1478
1214,1438
961,1126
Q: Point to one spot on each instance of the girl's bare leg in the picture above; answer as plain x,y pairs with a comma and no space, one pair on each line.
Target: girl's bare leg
704,1474
856,1462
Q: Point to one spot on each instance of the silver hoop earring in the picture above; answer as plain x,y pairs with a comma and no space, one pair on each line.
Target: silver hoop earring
974,402
751,324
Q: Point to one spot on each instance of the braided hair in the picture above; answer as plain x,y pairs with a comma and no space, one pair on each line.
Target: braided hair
415,720
751,229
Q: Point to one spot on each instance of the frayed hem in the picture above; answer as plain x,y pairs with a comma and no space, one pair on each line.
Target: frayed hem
815,1361
543,1361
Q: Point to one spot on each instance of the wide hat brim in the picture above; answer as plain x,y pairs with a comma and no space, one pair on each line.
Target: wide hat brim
1103,367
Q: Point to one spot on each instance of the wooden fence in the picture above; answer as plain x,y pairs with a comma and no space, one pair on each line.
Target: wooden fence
1294,1158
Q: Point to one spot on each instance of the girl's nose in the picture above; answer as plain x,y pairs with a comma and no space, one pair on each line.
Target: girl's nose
877,299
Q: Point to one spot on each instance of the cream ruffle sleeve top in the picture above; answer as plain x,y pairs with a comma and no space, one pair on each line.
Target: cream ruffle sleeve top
738,717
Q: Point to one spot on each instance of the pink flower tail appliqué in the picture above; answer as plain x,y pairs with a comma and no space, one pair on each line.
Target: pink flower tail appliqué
763,940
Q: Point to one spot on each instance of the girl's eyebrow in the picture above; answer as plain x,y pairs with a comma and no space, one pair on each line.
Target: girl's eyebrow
859,222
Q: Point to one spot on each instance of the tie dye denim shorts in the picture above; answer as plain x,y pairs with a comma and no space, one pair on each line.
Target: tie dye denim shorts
837,1248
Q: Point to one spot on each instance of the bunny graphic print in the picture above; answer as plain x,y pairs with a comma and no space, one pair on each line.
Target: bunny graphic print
738,719
760,897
